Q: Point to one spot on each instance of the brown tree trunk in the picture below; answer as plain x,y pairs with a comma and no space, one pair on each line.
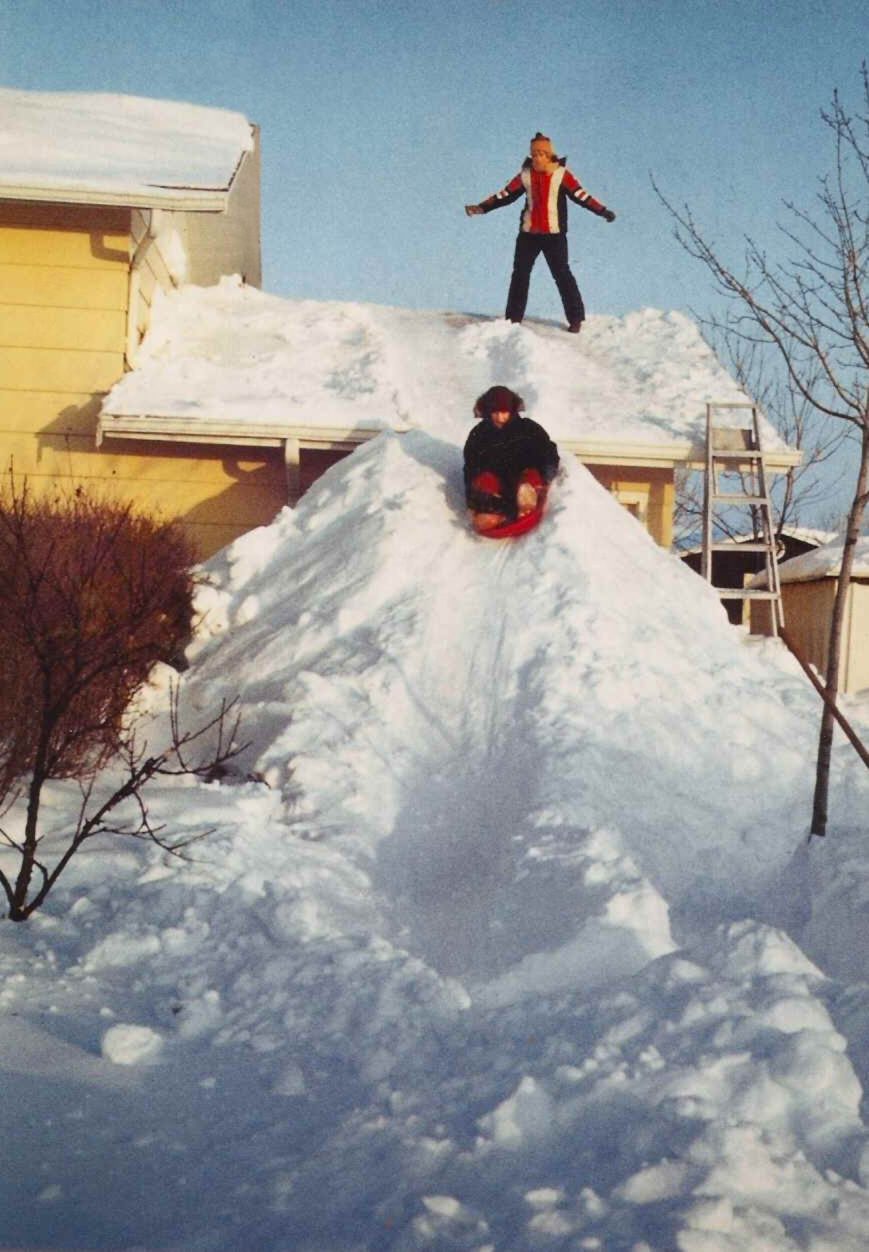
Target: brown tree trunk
825,739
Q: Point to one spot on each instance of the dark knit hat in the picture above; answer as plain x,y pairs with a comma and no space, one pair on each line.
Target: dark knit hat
498,400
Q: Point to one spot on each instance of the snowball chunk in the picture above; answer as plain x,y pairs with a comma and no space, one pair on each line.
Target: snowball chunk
131,1045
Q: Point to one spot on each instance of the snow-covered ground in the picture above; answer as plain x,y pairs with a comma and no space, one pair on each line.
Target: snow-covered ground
507,935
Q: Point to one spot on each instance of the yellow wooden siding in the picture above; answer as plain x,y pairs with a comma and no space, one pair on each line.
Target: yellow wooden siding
63,295
152,271
217,494
209,537
38,285
647,492
808,608
80,236
25,326
45,369
37,412
64,283
68,342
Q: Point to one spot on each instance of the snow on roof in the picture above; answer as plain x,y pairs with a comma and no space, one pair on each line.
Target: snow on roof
235,354
804,534
826,562
102,148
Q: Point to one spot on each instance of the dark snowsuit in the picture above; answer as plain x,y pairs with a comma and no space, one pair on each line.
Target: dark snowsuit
507,452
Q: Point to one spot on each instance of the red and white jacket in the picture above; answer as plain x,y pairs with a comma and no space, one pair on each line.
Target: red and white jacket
546,196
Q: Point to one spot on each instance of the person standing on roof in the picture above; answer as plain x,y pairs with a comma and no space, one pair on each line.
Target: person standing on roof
547,184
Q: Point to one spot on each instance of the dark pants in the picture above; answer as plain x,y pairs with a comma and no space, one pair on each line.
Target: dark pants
554,248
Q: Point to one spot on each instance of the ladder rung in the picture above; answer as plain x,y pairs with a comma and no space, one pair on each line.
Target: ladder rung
743,454
746,593
735,546
734,447
731,430
740,499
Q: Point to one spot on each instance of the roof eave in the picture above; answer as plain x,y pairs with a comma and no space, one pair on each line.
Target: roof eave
182,199
186,199
274,434
675,455
220,431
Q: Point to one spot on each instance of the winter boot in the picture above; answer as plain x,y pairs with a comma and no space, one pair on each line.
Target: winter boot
526,498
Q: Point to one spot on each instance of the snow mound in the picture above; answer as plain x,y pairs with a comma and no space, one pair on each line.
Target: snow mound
488,945
484,726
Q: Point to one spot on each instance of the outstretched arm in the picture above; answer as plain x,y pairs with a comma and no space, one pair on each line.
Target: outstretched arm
585,199
506,195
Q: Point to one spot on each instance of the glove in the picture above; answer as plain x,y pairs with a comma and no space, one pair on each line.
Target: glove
473,209
608,215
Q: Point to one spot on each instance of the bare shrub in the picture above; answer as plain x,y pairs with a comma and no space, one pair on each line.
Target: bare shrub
92,595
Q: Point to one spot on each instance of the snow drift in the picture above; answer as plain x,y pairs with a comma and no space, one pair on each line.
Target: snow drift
497,941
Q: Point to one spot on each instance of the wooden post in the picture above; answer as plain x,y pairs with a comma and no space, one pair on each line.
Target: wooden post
292,465
846,726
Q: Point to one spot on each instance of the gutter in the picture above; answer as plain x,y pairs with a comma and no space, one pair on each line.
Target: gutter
186,199
189,199
244,434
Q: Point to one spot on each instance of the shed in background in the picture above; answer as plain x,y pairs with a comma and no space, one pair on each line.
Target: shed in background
808,589
737,567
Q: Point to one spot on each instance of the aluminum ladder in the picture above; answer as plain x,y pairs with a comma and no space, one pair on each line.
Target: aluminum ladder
735,449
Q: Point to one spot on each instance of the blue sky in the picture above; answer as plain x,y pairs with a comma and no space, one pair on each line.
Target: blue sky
380,120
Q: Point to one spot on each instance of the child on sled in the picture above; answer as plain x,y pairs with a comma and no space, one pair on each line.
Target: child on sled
509,460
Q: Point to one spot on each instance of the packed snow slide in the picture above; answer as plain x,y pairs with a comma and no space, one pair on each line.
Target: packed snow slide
495,941
579,680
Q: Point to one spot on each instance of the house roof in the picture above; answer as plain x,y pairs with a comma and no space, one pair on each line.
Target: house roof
826,562
233,364
94,148
802,534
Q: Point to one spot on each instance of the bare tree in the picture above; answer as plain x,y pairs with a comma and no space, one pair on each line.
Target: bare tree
91,596
811,308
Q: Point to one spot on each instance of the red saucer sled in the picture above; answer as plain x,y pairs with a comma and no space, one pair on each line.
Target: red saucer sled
511,529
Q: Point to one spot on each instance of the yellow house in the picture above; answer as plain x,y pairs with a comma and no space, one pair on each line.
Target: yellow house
103,201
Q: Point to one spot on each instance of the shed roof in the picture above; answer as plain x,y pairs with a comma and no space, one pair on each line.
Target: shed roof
826,562
96,148
808,535
231,363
